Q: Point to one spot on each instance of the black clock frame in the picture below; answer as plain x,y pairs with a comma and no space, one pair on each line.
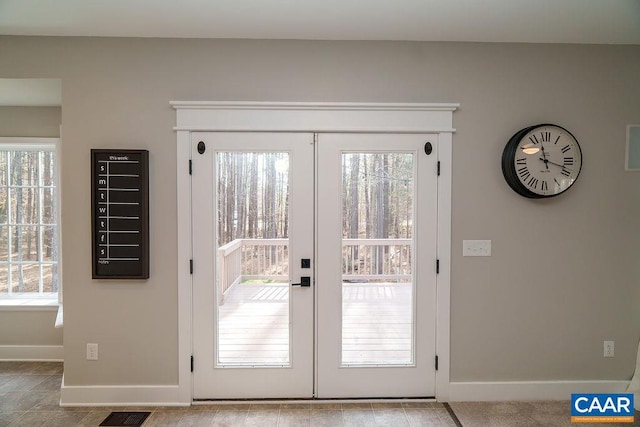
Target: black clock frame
509,168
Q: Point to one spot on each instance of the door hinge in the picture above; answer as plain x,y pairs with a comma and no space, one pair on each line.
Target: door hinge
437,266
191,168
438,167
192,363
191,266
436,363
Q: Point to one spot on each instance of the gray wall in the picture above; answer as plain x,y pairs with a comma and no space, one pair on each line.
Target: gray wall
43,122
564,273
31,327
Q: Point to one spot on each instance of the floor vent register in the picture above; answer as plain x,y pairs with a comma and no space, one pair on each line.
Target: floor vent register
125,419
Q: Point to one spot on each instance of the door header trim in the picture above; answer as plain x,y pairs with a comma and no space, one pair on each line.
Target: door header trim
314,117
242,105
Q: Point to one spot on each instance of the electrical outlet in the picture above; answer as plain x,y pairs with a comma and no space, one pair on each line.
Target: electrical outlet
92,351
608,349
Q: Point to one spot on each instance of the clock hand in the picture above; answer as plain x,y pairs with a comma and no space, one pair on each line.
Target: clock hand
544,158
549,161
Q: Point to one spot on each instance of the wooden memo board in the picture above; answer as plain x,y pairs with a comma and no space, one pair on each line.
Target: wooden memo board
120,214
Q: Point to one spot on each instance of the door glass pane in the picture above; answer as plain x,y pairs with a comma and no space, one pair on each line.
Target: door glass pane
252,258
377,273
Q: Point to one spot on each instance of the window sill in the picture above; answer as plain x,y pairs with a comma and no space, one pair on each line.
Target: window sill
29,304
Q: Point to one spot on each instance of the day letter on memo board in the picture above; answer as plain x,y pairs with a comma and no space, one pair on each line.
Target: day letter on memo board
120,214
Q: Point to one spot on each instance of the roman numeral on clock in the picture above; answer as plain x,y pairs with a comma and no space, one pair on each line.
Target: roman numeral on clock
524,173
533,139
565,172
533,182
568,161
566,148
545,186
546,136
521,162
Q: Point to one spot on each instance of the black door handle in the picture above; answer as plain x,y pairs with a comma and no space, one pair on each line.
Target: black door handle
305,282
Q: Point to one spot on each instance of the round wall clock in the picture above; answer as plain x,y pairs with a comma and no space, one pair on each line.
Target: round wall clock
541,161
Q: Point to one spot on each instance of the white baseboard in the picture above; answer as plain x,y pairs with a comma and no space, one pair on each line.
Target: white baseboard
529,390
32,353
135,395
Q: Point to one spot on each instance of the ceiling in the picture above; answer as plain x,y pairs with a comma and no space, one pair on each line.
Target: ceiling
521,21
528,21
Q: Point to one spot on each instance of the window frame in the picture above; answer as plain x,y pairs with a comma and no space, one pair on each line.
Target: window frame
9,300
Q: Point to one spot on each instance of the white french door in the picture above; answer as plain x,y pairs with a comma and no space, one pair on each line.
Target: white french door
314,265
376,287
252,216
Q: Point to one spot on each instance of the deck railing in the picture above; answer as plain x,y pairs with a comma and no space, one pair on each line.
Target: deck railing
376,259
268,259
252,259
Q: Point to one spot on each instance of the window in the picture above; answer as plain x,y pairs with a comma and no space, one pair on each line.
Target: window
28,218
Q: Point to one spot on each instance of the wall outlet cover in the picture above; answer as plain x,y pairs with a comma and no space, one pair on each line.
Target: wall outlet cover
92,351
608,349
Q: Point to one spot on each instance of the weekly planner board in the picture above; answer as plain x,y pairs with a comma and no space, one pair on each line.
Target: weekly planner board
120,214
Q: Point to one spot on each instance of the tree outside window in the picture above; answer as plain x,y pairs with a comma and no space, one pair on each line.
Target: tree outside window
28,221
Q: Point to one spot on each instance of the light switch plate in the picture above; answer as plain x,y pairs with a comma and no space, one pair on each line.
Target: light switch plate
476,248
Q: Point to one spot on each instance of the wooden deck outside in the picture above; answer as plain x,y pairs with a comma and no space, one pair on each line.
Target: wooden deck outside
254,324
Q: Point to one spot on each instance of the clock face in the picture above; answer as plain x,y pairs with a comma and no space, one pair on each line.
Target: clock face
542,161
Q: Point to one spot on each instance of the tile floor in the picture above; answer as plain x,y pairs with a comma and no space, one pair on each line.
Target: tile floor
30,393
532,413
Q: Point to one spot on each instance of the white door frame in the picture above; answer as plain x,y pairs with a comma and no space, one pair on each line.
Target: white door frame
312,117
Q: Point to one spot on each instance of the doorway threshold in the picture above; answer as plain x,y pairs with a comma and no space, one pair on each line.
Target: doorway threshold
286,401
